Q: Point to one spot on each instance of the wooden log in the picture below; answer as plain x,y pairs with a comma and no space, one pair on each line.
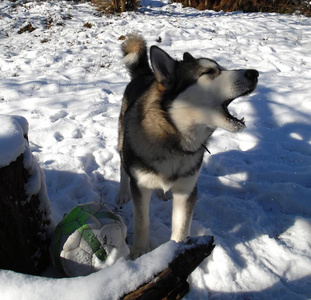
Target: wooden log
172,283
24,220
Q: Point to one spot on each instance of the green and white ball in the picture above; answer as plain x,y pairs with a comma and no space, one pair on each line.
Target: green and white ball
89,238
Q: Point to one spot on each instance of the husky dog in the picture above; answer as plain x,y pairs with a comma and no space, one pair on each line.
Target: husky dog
168,114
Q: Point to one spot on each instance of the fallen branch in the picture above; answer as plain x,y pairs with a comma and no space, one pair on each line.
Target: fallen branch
172,283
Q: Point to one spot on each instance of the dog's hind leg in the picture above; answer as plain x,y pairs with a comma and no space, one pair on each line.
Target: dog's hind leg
141,200
124,194
183,205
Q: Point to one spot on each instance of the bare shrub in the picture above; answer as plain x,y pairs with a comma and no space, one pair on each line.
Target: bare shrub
115,6
278,6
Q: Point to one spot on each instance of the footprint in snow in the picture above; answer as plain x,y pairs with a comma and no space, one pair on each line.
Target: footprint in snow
59,115
58,137
76,134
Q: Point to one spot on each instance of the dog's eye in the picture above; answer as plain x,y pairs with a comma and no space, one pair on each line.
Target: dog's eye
210,71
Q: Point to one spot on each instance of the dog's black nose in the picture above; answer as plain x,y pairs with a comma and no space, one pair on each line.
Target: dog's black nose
252,75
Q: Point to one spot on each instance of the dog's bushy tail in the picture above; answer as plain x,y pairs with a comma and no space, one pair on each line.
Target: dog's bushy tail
134,50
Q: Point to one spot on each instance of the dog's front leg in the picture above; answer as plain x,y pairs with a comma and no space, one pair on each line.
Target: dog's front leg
141,200
124,194
183,205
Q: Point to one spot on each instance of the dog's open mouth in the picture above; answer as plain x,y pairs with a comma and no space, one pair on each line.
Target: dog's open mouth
239,124
229,116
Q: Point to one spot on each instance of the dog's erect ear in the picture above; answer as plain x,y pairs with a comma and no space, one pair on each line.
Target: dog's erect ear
188,57
163,66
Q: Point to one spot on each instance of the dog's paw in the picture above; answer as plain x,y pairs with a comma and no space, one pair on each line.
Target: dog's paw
138,251
123,198
165,196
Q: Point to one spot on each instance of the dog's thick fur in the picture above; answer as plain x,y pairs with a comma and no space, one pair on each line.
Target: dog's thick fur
166,119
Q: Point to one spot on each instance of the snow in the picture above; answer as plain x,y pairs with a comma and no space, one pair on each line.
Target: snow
255,187
100,285
13,143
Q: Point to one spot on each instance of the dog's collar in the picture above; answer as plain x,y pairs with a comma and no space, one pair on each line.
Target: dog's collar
206,148
188,152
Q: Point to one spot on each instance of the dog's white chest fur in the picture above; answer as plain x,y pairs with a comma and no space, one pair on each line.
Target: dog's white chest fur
169,173
151,181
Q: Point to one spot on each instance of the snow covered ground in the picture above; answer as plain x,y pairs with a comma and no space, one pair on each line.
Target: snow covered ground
67,80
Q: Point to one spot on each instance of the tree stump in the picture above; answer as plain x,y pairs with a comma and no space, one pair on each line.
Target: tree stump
25,221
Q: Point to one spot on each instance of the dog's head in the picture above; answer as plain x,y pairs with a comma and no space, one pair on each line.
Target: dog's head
202,89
